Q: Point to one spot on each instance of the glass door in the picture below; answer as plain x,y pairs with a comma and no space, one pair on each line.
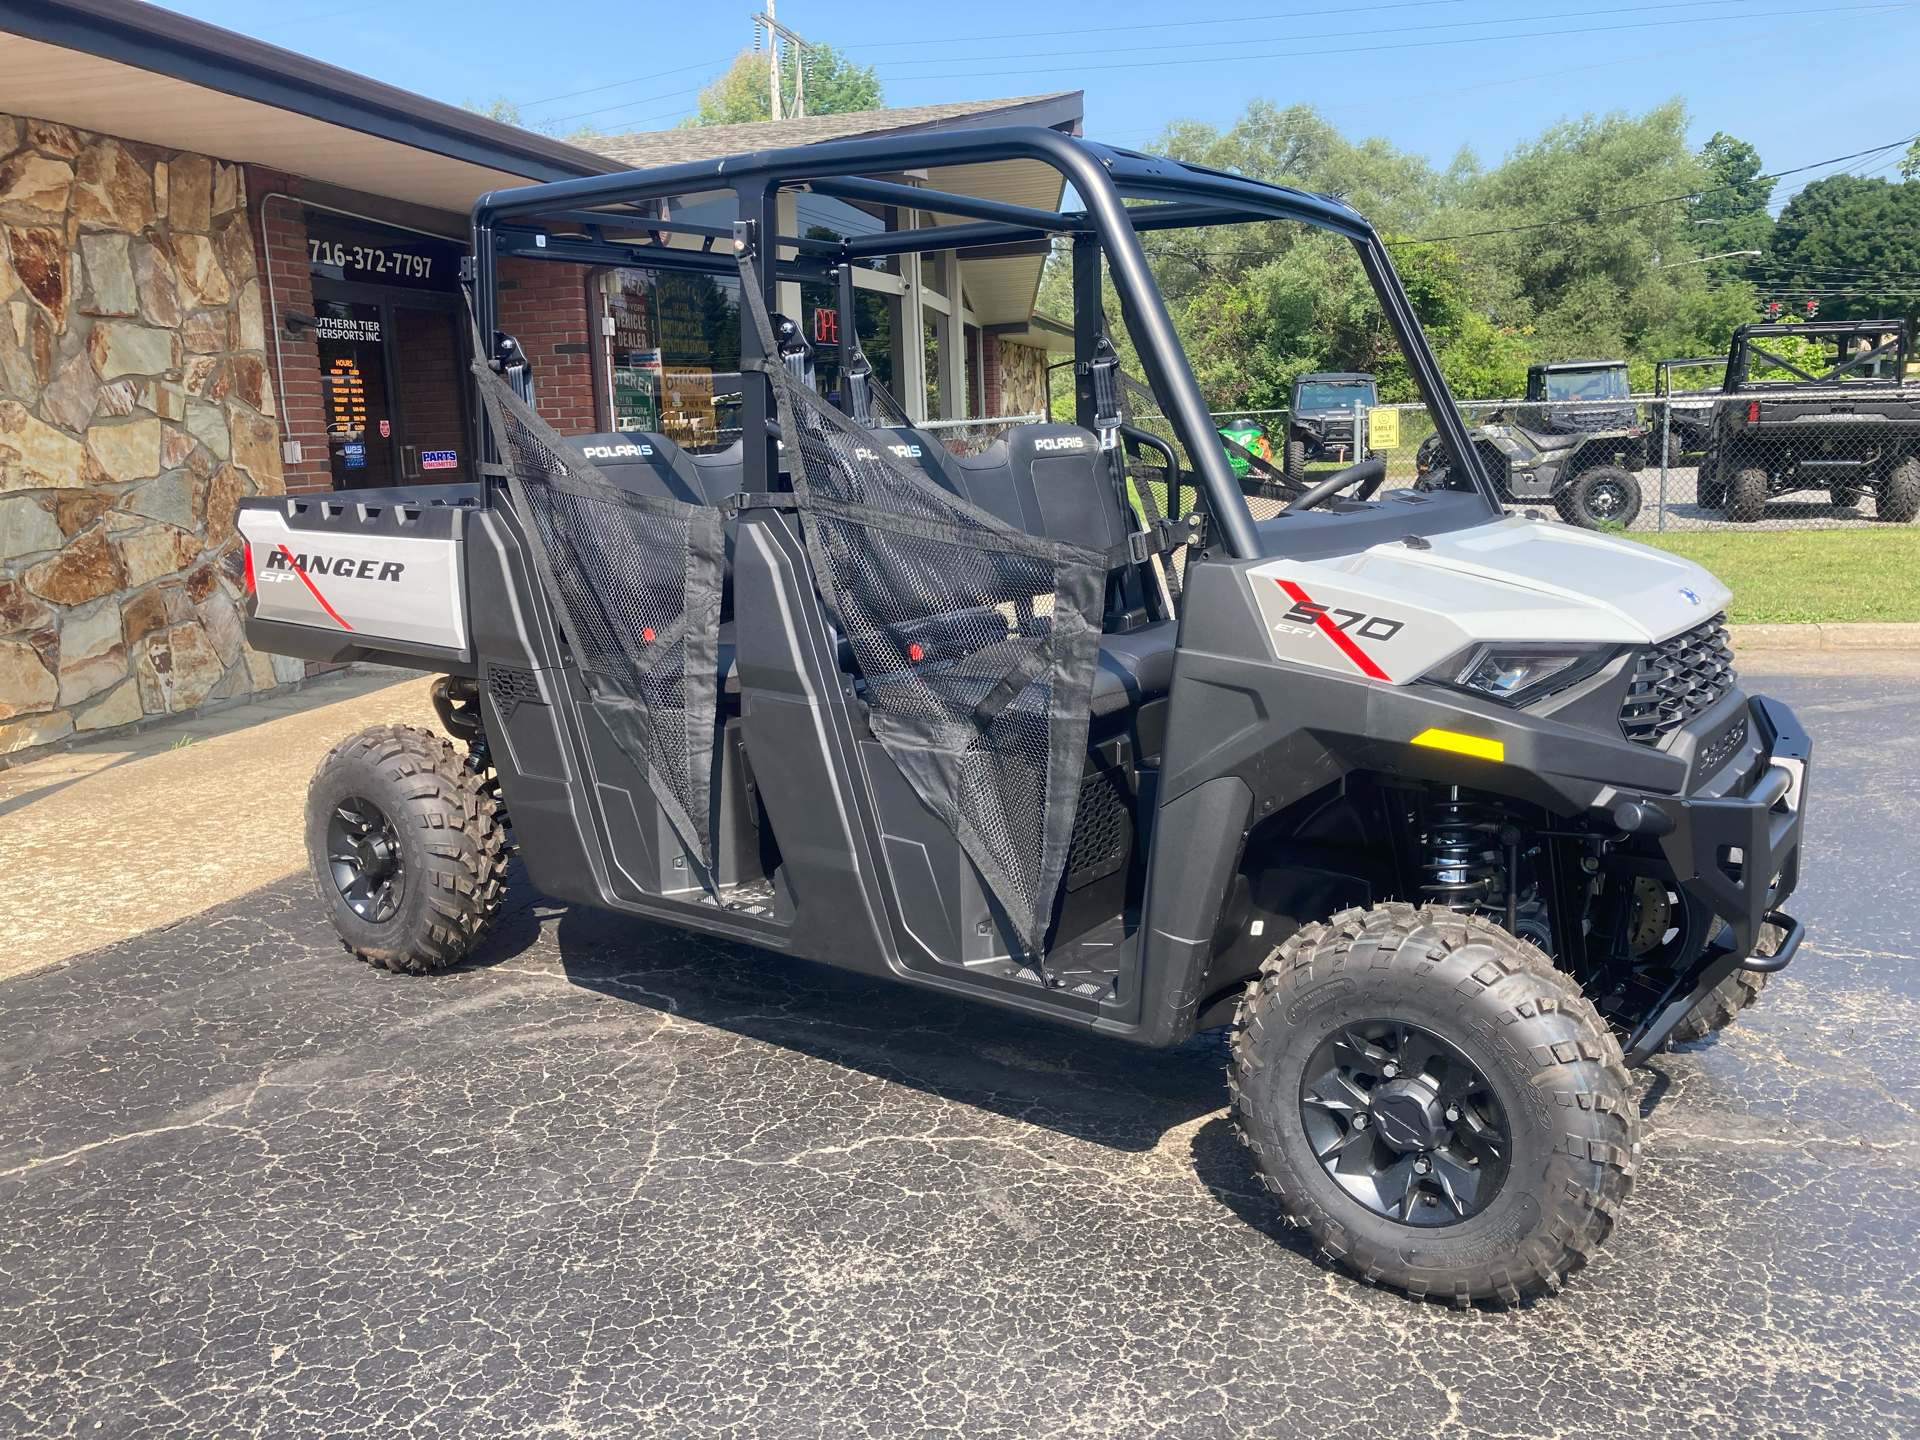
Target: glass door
431,389
352,338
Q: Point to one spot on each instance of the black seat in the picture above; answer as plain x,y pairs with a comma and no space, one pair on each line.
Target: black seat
1135,667
1048,480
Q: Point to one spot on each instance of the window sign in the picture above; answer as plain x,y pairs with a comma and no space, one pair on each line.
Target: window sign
349,327
346,398
340,249
439,460
354,454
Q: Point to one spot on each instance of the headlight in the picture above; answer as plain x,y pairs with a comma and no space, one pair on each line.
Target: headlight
1517,674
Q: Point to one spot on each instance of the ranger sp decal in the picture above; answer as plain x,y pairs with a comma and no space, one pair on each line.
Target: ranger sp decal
285,559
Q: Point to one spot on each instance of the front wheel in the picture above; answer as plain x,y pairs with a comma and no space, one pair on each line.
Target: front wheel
1726,1000
1294,466
408,849
1440,1108
1898,498
1603,496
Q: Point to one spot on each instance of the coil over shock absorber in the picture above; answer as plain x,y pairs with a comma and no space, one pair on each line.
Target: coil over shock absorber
1460,851
1466,847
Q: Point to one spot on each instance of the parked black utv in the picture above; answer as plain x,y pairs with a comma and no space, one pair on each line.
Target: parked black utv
1577,441
1849,425
1321,416
1448,816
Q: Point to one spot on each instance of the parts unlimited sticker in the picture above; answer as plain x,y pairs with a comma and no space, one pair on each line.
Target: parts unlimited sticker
439,460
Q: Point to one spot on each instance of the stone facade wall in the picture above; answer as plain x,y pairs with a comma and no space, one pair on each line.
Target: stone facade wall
1021,373
135,412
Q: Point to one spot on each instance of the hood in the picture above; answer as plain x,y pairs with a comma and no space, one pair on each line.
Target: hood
1520,578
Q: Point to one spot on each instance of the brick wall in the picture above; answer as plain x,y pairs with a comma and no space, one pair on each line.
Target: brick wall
280,228
548,307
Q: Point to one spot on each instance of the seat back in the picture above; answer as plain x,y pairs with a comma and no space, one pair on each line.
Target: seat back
1061,484
643,463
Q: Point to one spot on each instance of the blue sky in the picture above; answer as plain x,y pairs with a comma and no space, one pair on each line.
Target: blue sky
1800,81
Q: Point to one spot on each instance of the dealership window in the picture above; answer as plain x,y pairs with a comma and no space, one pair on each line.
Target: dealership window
673,355
393,353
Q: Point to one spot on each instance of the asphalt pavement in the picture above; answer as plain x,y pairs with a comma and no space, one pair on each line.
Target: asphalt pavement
612,1180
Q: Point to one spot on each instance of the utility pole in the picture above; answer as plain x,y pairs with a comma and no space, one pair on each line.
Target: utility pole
796,47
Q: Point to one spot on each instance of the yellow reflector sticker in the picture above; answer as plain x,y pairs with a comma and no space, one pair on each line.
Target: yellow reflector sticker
1473,745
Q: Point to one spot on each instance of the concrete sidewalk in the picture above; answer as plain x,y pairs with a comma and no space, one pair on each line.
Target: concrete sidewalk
106,841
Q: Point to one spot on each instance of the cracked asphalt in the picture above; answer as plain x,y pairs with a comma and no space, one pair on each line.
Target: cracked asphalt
610,1180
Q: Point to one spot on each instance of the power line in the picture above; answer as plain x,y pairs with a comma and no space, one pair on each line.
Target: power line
617,84
1158,25
1374,49
1336,34
1417,96
1692,196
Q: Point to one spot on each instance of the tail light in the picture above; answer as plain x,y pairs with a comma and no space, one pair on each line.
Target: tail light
1753,412
247,549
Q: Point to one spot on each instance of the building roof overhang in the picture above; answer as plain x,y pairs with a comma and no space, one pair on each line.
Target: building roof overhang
137,72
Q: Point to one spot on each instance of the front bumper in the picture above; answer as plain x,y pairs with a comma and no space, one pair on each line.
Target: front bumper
1737,854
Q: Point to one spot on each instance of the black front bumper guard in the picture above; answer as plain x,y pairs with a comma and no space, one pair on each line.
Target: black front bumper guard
1738,855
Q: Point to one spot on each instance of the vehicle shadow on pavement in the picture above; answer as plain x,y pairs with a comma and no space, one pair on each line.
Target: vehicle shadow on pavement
1226,1168
1090,1088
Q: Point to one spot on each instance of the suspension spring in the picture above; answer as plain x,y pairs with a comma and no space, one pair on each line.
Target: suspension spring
1460,850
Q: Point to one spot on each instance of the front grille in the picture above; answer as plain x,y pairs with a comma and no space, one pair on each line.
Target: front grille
1677,680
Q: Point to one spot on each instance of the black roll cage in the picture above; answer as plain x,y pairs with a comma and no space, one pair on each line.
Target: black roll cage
517,223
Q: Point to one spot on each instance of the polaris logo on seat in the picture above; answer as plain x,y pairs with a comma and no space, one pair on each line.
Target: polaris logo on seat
906,452
345,569
1061,442
614,452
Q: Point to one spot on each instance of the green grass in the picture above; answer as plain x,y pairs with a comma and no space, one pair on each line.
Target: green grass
1785,577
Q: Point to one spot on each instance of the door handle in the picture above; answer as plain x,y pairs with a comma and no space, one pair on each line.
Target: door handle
410,461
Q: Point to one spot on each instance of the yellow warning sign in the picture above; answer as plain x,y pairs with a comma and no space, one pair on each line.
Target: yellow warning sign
1383,429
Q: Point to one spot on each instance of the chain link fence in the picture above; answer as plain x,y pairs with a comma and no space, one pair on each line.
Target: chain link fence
1790,458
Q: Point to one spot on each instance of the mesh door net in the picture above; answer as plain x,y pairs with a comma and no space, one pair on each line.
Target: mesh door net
638,581
976,643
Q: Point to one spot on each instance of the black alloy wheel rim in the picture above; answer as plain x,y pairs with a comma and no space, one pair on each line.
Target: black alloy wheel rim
1404,1123
363,853
1606,499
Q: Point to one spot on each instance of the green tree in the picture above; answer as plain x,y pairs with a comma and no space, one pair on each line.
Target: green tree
1732,213
743,91
1853,243
499,108
507,113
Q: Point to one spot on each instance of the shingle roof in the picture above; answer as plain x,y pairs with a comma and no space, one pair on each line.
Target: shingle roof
643,150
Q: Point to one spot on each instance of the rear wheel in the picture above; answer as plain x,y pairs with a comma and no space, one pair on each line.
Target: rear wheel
1898,499
1603,496
1439,1107
1295,463
408,848
1747,496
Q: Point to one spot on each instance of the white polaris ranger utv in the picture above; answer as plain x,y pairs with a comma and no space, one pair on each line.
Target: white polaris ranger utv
1450,816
